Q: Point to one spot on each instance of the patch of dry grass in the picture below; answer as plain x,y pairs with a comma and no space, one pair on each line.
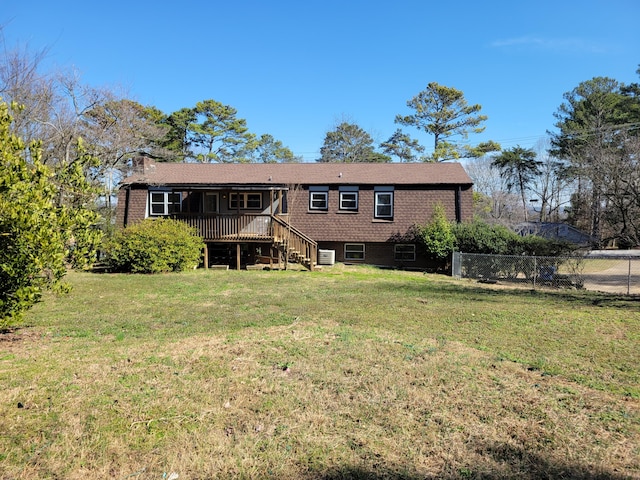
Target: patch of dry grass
374,384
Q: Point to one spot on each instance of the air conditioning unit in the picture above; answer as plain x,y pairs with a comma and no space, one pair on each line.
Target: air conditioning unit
326,257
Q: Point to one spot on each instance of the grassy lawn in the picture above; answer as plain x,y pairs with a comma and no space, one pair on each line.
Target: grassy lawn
349,372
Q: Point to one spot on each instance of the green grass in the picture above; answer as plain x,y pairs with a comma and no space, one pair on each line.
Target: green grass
349,372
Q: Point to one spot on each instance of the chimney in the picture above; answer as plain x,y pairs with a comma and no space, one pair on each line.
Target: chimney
143,165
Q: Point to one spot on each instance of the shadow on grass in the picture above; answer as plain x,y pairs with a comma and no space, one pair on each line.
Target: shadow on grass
509,461
479,292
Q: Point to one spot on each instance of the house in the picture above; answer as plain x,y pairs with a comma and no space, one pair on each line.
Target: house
266,213
556,231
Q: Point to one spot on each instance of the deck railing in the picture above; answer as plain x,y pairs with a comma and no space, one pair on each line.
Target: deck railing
256,227
230,226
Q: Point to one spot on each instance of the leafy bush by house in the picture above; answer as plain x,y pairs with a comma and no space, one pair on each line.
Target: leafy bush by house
437,236
154,246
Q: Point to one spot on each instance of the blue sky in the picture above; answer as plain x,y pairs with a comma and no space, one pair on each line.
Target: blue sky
295,69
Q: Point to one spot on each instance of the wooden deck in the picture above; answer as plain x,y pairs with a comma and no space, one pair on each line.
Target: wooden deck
229,227
273,229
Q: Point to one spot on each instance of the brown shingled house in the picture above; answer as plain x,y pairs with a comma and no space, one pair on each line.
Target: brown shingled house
305,212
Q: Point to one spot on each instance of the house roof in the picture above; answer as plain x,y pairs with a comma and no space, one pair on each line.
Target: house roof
202,174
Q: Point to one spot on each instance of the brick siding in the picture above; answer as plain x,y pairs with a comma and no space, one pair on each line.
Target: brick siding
411,206
132,206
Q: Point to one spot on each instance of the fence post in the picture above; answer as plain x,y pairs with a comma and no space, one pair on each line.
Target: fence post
535,271
629,278
456,271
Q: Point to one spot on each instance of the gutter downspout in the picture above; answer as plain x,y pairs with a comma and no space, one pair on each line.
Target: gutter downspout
125,220
457,203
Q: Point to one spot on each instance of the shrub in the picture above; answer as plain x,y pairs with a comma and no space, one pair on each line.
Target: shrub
543,247
437,237
480,237
154,246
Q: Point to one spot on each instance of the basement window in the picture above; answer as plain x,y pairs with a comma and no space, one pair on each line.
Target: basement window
404,252
354,251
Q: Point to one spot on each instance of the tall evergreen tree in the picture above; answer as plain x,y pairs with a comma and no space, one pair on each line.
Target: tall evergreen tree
402,146
267,149
592,124
518,166
349,143
217,135
178,139
444,113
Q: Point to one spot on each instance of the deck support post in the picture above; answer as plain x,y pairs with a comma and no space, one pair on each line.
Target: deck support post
237,256
206,255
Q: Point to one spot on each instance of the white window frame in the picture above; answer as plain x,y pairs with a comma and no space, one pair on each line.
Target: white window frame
404,252
245,200
354,251
346,203
167,204
318,200
386,205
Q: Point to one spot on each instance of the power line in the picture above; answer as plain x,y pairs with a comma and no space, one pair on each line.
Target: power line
533,139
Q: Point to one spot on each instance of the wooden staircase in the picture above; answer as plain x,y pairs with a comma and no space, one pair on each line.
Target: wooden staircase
293,245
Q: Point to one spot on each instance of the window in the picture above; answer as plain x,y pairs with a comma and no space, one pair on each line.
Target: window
384,204
354,251
318,200
404,252
348,198
164,203
254,201
245,200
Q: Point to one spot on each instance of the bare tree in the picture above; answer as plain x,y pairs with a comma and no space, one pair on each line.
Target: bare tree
621,191
21,83
551,187
493,203
58,110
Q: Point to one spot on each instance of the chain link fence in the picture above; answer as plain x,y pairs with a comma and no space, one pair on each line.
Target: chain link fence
607,273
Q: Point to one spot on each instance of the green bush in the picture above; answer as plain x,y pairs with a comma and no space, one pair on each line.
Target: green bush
154,246
40,225
480,237
437,237
544,247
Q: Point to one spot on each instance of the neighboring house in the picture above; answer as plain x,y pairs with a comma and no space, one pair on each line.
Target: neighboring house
266,213
555,231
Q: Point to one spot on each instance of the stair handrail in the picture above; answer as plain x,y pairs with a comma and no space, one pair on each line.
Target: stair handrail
290,227
310,245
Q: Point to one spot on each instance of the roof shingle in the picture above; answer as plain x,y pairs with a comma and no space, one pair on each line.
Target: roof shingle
198,174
